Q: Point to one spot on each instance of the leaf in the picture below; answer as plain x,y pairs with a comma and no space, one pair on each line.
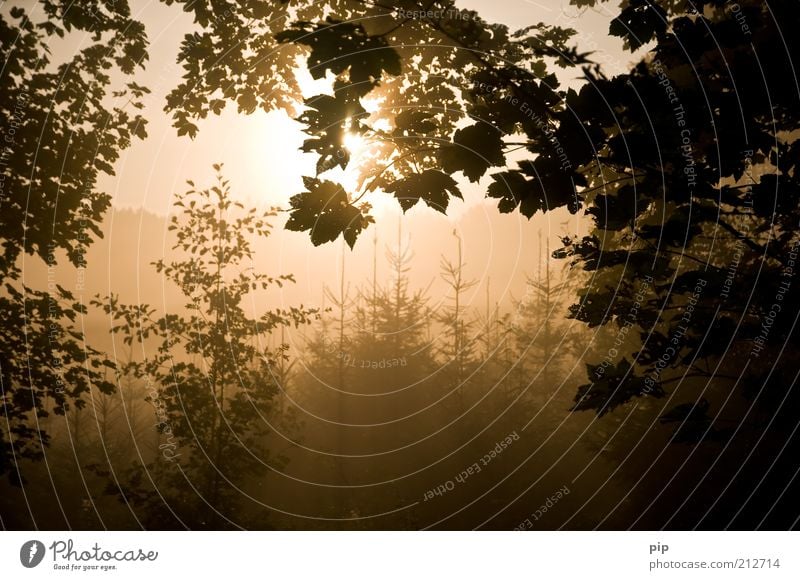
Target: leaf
432,186
612,386
412,123
247,102
329,119
678,230
216,105
616,211
474,150
187,128
340,47
551,187
324,210
639,23
140,130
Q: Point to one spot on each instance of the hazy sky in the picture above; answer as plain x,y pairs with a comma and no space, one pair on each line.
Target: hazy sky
261,160
254,147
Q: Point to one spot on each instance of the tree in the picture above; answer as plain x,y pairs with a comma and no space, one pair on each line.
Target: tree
212,375
388,420
542,342
689,207
59,133
693,197
685,165
458,348
662,185
469,70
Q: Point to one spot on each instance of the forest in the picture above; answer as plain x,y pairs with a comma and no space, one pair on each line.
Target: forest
353,265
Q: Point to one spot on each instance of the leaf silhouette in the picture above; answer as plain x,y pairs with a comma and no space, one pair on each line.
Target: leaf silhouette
473,151
432,186
325,211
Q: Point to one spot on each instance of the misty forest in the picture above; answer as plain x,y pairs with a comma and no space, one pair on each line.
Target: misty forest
355,265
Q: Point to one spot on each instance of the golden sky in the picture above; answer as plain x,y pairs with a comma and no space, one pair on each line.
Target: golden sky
255,148
261,158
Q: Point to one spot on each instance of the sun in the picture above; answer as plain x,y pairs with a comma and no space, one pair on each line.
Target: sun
356,145
363,153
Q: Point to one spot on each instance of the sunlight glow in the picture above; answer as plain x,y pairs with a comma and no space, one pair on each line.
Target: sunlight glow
357,146
363,153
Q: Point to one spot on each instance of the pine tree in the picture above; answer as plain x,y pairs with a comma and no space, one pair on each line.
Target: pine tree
542,342
380,338
458,348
